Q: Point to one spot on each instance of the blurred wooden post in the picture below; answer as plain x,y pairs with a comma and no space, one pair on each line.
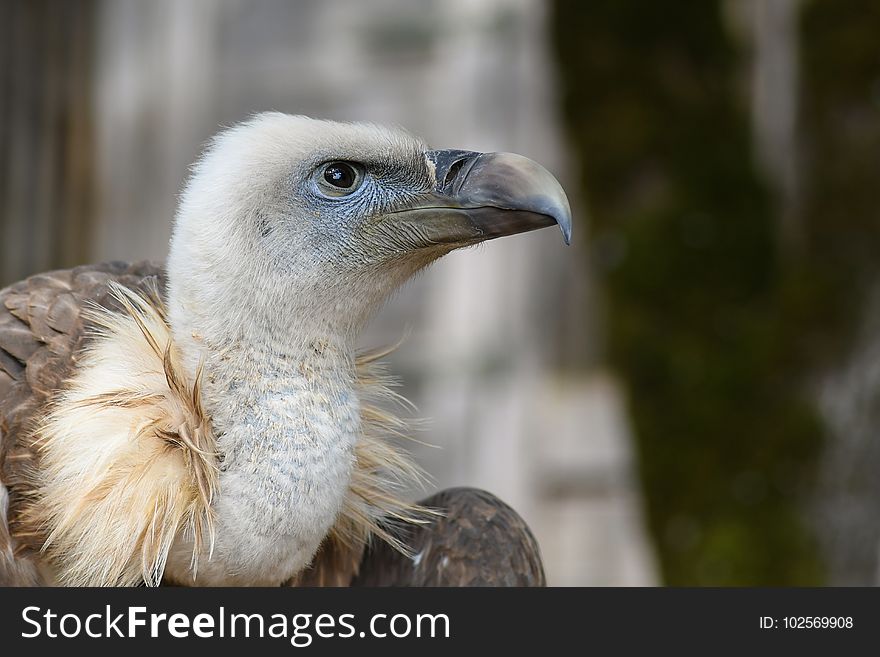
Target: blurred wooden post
46,152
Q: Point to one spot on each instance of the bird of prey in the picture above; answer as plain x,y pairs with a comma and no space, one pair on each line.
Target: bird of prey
209,421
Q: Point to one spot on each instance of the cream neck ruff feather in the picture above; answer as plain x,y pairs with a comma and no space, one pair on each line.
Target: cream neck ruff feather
131,484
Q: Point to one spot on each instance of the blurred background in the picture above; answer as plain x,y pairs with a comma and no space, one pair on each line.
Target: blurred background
690,394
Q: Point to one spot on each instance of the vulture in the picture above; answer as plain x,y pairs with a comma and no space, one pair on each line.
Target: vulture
210,421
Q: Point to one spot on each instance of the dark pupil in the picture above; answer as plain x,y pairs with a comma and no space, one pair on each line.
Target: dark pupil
339,175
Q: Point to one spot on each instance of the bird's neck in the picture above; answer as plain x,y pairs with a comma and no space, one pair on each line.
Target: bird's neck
282,399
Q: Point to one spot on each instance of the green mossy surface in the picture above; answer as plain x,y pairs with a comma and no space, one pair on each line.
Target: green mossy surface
715,328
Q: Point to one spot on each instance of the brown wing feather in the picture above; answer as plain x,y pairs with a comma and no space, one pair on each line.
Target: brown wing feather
480,541
41,330
335,565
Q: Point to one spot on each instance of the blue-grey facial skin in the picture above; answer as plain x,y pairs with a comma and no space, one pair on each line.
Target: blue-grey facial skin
421,206
352,222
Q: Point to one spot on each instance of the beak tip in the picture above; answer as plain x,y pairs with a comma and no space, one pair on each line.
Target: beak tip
561,212
565,227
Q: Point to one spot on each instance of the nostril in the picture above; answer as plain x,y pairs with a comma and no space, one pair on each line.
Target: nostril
453,172
451,168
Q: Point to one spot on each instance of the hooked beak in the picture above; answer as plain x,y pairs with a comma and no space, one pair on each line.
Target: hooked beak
481,196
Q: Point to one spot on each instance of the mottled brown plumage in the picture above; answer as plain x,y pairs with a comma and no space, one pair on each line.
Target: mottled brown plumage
479,541
41,331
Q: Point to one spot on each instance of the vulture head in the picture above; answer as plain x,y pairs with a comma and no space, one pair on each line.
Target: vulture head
290,221
212,423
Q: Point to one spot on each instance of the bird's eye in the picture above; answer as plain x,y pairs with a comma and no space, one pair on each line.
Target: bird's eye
340,174
339,178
